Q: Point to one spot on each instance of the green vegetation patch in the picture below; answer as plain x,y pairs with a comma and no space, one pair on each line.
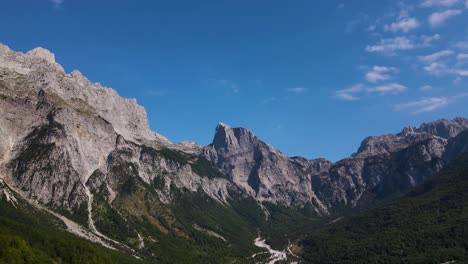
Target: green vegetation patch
429,225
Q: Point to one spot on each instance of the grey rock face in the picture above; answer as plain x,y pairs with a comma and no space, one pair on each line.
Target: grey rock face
456,146
445,128
383,165
57,130
42,53
64,138
262,171
409,135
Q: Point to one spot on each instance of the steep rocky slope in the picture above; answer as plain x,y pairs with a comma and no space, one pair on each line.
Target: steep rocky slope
262,171
383,166
80,150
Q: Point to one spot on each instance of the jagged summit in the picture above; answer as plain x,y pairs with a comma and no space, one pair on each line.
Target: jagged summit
222,125
227,137
442,128
126,116
445,128
42,53
79,148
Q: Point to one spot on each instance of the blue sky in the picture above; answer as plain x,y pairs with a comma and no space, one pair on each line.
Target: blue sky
312,78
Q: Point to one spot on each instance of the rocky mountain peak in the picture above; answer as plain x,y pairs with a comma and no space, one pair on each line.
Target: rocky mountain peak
222,125
233,138
38,66
445,128
442,128
78,147
407,131
42,53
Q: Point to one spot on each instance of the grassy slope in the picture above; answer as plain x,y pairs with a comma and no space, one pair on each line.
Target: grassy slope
429,225
29,236
170,231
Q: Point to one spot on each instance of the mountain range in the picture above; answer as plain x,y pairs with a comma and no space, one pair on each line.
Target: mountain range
76,152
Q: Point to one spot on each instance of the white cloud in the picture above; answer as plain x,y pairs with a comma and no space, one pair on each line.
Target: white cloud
462,56
391,45
391,88
298,90
461,45
428,104
435,56
436,68
424,105
446,3
438,18
425,88
463,73
404,25
380,73
440,68
353,93
350,94
427,40
466,3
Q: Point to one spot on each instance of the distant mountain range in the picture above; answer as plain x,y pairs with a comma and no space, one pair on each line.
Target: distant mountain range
77,152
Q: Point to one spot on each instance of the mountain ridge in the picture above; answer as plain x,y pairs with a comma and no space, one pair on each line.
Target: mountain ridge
91,112
88,155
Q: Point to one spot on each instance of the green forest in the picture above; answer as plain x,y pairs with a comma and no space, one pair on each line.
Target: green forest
428,225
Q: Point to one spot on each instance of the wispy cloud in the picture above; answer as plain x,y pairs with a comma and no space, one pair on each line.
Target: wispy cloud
427,40
380,73
440,68
391,45
298,90
423,105
437,68
435,56
462,73
425,88
446,3
439,18
355,92
463,45
462,56
403,25
273,100
429,104
350,94
391,88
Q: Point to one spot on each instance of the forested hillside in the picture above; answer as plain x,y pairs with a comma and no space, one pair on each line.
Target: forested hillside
429,225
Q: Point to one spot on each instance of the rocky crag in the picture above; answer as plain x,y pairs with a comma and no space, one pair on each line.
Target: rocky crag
77,147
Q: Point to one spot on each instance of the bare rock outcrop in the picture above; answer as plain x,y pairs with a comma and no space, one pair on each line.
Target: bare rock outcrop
64,138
